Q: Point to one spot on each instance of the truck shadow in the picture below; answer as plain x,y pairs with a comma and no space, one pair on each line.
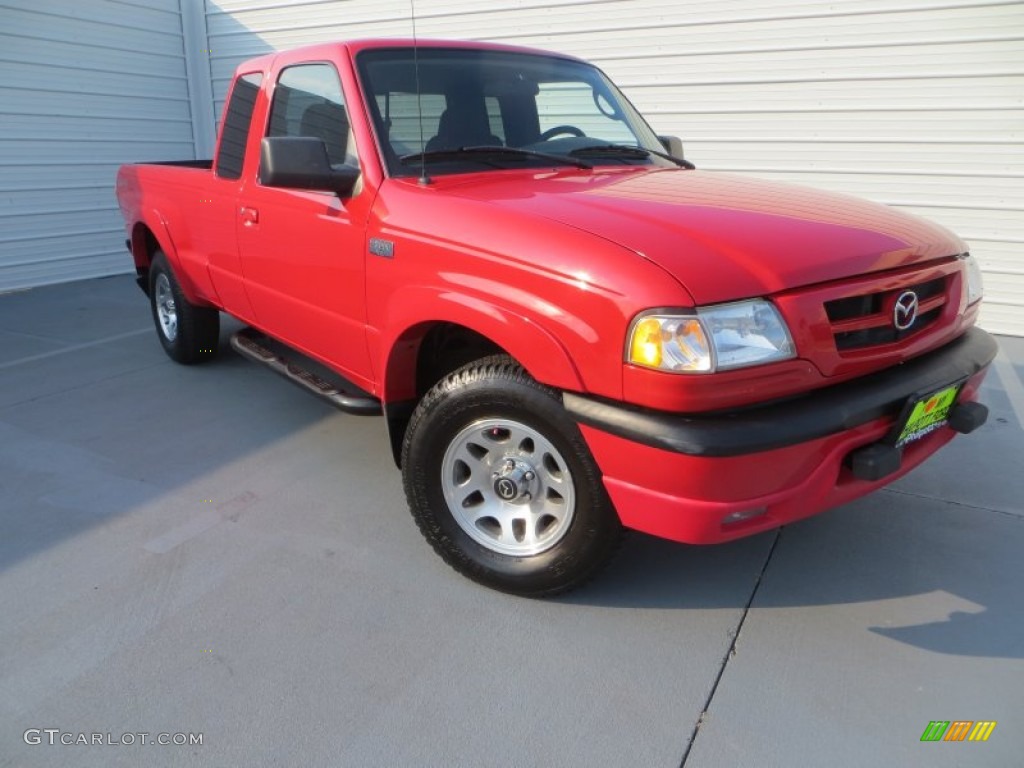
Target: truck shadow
926,573
104,423
97,433
932,561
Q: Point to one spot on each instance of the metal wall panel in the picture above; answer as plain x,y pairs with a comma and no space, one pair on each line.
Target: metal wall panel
915,103
84,87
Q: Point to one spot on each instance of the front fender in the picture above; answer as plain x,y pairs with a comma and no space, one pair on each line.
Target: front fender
413,310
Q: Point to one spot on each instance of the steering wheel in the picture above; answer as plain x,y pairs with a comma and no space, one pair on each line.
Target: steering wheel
571,130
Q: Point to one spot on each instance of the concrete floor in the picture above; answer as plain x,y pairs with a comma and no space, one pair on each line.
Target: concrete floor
210,550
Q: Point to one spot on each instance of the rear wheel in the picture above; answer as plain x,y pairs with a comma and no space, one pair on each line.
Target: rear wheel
188,333
502,484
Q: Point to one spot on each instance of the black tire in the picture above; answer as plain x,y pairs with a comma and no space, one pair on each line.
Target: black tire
188,333
454,444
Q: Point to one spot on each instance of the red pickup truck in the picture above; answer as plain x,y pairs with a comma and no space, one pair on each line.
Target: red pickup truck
568,329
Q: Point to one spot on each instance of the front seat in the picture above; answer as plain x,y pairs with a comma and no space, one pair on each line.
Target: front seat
328,122
463,127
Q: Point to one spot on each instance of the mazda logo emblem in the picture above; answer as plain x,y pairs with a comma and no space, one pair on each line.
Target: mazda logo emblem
905,312
506,489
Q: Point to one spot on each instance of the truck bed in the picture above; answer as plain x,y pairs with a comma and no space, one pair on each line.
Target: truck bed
204,165
180,193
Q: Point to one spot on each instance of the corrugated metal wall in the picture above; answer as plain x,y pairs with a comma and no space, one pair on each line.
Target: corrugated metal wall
84,86
917,103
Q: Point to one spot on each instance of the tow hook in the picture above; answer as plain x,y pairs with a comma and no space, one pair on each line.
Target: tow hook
878,460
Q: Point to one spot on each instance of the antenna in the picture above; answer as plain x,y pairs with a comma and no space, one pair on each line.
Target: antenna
424,179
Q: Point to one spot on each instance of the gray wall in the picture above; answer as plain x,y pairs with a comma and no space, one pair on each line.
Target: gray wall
84,87
910,102
914,103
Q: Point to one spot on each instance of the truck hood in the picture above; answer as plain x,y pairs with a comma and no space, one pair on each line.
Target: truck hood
724,237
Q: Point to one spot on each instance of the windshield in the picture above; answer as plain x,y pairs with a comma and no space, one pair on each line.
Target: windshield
544,107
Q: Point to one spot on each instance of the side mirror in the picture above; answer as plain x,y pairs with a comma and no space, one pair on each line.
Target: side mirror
301,162
673,145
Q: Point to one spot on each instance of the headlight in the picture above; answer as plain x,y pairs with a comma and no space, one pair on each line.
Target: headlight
973,284
711,339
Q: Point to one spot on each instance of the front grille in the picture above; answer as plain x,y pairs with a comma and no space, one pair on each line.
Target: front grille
867,320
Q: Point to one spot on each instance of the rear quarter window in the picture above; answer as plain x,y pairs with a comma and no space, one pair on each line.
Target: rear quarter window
237,120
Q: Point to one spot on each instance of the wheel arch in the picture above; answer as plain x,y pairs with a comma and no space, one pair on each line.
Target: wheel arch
143,244
148,236
428,350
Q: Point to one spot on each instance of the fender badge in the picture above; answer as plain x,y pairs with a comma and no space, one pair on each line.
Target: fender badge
384,248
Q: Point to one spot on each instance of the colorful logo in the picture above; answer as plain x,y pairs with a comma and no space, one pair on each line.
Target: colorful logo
958,730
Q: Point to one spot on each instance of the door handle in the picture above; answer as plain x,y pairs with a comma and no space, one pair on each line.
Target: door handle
250,216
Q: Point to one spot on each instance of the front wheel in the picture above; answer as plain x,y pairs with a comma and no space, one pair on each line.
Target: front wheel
502,484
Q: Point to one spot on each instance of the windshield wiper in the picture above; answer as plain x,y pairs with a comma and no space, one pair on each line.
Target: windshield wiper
486,153
626,151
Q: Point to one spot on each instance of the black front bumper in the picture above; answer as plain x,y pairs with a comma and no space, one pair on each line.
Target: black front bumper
776,425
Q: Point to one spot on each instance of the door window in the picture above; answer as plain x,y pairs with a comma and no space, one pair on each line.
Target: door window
308,102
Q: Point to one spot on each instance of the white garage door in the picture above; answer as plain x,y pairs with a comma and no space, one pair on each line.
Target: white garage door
916,103
84,86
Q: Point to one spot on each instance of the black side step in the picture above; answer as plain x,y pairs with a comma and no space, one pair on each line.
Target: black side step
254,345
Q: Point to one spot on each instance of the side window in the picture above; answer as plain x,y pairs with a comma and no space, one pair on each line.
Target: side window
235,133
308,102
575,104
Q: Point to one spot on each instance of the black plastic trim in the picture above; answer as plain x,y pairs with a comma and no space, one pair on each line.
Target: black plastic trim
967,417
789,422
875,461
257,347
201,165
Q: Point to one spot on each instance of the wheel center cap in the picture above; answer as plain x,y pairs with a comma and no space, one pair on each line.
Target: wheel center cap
506,488
512,481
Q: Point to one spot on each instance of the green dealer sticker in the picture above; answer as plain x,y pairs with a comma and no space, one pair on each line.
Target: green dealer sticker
928,414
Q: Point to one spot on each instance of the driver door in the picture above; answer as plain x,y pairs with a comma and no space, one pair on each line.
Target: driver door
302,251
